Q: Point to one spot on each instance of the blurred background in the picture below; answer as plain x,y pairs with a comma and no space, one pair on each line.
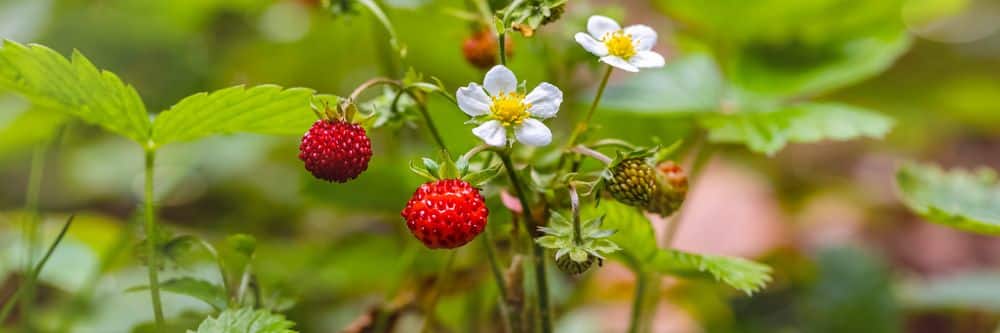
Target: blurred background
847,255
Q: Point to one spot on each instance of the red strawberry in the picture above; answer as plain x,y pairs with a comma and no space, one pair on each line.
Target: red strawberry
446,213
480,49
335,150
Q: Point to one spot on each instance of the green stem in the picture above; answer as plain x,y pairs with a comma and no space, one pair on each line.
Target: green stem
640,291
151,241
34,271
384,19
442,281
503,45
537,252
31,230
430,124
585,123
491,255
574,201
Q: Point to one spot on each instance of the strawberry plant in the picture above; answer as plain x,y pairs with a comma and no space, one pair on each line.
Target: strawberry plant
484,189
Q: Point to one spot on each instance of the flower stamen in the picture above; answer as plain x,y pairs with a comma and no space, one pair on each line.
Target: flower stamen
619,44
509,108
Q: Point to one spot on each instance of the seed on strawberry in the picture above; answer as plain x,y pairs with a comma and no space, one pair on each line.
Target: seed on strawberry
335,150
569,266
446,213
672,186
632,182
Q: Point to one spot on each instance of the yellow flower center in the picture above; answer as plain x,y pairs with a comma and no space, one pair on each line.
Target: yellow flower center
619,44
509,108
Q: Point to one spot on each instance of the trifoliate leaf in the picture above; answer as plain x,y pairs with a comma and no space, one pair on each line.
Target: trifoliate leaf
246,320
76,86
263,109
208,292
961,199
768,132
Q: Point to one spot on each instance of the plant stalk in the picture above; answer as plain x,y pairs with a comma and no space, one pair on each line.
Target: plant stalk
635,320
151,241
585,123
431,127
491,254
35,270
537,253
31,230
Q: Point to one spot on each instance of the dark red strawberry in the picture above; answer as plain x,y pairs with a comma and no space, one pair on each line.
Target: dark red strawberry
335,150
480,49
446,214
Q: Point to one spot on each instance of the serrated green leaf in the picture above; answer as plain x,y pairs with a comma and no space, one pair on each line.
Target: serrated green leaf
744,275
263,109
208,292
959,199
967,290
638,247
769,132
245,320
77,87
688,85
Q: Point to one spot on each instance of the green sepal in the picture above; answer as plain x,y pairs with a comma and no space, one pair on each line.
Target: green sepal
448,169
421,170
480,177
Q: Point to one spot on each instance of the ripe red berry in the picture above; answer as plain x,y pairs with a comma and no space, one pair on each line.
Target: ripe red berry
446,213
335,151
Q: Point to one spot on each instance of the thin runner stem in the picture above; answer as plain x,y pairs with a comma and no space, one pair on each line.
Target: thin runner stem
151,241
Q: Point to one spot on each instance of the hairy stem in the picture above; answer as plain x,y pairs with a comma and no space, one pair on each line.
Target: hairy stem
537,253
574,201
151,241
583,150
422,105
370,83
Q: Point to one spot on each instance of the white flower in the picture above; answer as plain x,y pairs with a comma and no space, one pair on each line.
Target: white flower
628,48
504,108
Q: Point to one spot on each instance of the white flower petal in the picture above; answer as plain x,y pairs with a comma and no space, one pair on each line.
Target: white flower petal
533,133
545,100
643,37
591,45
599,25
473,100
500,80
492,132
620,63
646,59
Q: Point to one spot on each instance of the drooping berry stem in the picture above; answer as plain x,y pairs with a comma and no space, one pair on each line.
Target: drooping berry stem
151,235
537,253
431,127
574,201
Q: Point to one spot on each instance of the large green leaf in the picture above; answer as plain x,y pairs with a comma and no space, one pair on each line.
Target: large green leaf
208,292
961,199
768,132
690,84
969,290
75,86
790,47
792,69
639,249
264,109
246,320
